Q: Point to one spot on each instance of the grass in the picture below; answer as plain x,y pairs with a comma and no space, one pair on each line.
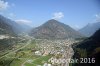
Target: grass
17,62
42,60
37,60
27,64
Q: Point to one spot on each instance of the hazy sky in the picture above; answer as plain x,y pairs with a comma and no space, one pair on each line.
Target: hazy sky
76,13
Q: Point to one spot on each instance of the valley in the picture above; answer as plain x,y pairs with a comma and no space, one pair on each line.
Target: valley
50,44
45,45
39,52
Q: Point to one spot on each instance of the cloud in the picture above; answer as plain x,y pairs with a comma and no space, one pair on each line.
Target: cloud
58,15
97,17
24,21
11,15
3,5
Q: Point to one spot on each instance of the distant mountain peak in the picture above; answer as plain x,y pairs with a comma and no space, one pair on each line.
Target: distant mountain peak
53,29
52,21
90,29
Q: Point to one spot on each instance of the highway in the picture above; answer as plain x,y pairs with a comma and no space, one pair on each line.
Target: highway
13,51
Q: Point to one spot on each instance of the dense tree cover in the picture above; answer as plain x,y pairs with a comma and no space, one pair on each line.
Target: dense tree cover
89,48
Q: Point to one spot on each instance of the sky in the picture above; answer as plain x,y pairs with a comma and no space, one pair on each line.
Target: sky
76,13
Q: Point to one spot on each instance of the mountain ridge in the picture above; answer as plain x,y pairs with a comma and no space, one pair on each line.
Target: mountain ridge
89,48
90,29
53,29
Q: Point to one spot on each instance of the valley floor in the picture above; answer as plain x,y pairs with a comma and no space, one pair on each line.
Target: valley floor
39,52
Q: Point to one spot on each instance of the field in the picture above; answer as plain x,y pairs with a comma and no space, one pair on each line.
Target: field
23,56
35,52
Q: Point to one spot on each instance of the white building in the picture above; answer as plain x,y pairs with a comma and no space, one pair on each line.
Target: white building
45,64
38,53
49,64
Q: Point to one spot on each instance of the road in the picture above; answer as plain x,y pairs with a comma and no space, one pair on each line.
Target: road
13,51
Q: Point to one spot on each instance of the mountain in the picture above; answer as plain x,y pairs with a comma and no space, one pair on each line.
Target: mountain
8,26
90,29
54,29
89,48
8,33
13,27
5,27
24,27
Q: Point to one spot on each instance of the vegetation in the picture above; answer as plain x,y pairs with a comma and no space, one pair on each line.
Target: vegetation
81,52
89,48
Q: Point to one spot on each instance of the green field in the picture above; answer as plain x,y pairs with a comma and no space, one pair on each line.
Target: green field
23,56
